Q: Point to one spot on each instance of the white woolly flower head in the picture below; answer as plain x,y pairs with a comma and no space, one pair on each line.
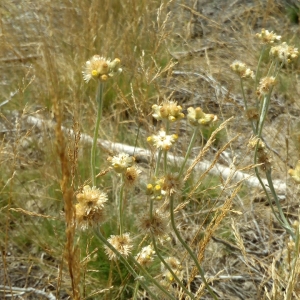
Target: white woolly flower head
101,68
162,140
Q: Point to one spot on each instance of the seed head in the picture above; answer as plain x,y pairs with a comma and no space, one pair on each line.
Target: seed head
176,267
131,176
172,183
122,243
145,256
265,85
155,224
90,207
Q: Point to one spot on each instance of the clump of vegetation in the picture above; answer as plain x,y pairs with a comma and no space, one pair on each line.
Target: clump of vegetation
144,175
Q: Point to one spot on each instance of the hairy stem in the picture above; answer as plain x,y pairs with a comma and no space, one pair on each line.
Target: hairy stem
99,100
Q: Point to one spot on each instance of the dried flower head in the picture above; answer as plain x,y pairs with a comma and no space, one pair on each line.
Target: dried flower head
91,198
155,224
241,69
176,267
263,156
121,162
145,256
131,176
169,110
162,140
122,243
265,85
94,218
268,37
253,143
284,53
90,207
100,68
295,173
172,183
197,117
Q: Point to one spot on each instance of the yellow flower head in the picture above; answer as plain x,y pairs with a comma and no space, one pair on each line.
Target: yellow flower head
268,37
197,117
162,140
121,162
169,110
241,69
98,67
284,53
295,173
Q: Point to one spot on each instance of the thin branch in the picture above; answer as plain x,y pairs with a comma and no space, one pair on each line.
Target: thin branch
144,155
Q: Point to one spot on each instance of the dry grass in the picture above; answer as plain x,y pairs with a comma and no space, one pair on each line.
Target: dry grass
173,48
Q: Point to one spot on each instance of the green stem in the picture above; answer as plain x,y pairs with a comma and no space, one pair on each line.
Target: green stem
99,100
165,161
170,269
121,204
285,223
136,289
245,103
257,69
190,147
157,162
149,278
263,114
166,152
151,209
188,249
265,190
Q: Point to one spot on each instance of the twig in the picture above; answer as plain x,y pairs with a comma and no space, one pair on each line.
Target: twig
21,291
144,155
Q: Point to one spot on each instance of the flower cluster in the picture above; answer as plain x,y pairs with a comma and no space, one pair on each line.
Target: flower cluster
242,70
155,191
268,37
121,162
176,267
100,68
197,117
162,140
168,184
265,85
284,53
122,243
145,256
169,110
124,164
295,173
90,207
